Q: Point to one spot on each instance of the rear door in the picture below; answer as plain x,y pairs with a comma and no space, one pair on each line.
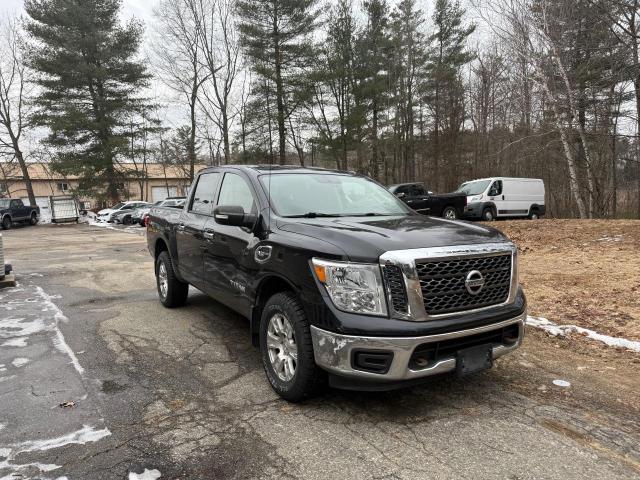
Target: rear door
189,230
229,266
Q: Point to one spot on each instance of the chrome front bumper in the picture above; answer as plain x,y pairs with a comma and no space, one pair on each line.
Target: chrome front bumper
333,352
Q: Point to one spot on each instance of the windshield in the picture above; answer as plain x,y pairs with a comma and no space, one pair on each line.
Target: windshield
117,206
4,203
318,194
473,188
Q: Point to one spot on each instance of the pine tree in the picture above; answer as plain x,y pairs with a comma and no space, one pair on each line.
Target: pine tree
408,69
89,80
373,54
277,36
444,87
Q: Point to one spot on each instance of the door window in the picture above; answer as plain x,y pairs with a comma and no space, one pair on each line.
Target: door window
496,188
417,191
202,201
236,192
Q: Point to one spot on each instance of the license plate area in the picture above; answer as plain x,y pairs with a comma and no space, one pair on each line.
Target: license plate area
474,359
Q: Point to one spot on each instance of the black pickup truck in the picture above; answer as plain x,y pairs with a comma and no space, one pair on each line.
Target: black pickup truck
420,199
12,211
339,279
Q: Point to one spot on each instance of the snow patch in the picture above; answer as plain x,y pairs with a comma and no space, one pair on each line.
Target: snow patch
561,383
615,238
16,342
86,434
556,330
19,362
146,475
15,330
59,340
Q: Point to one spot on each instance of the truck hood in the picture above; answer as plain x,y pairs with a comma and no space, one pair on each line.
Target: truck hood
364,239
106,211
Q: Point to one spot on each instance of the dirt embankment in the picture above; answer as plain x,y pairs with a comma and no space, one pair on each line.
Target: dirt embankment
581,272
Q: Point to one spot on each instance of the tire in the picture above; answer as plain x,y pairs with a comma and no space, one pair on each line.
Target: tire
534,215
450,213
126,221
6,222
307,378
173,293
34,218
488,215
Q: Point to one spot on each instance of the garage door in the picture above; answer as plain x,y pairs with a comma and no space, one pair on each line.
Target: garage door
45,208
160,193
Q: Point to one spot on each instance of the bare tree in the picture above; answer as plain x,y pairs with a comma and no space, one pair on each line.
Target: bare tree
14,90
216,33
180,59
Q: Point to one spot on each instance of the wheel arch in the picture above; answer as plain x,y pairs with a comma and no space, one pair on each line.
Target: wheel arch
268,286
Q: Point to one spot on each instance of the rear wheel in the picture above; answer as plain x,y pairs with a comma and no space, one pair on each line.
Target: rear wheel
450,213
34,218
488,215
126,220
287,349
171,291
6,222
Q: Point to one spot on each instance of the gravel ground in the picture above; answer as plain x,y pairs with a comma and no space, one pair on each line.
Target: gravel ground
182,392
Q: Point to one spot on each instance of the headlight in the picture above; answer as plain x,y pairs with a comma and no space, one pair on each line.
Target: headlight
353,287
477,198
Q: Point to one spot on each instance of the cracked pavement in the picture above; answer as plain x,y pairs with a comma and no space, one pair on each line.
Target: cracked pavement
183,391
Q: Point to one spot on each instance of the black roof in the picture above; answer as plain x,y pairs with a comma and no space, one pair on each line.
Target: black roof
395,185
283,168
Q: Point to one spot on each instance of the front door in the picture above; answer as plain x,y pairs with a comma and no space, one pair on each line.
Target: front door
189,230
496,196
229,266
418,199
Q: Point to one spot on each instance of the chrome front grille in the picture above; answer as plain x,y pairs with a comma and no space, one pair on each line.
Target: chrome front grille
442,283
431,283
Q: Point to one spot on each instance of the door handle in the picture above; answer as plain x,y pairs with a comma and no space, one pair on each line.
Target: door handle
209,234
180,227
503,197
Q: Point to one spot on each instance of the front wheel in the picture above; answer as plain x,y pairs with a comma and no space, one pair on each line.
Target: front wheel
450,213
34,218
487,215
171,291
6,223
534,215
287,349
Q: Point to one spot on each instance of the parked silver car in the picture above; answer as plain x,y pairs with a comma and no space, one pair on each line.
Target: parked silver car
138,215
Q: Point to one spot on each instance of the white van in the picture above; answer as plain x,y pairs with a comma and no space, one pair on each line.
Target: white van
503,197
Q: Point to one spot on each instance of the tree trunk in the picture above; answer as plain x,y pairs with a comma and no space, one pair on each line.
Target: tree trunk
279,91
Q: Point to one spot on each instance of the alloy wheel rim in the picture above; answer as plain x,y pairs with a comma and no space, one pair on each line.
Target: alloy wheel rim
163,280
450,214
282,347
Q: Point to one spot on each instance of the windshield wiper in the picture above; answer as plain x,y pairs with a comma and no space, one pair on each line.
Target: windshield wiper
313,215
373,214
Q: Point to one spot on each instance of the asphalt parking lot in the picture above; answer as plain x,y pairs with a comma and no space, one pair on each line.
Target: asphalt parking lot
181,393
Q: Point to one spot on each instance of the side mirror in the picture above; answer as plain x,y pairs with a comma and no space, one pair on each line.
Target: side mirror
493,193
429,192
401,195
234,216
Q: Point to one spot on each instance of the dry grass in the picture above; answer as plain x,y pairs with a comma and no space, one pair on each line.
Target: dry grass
581,272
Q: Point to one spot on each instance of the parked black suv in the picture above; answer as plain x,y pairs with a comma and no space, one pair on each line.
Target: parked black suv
339,279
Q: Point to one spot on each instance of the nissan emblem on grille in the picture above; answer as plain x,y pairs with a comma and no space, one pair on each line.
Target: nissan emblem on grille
474,282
